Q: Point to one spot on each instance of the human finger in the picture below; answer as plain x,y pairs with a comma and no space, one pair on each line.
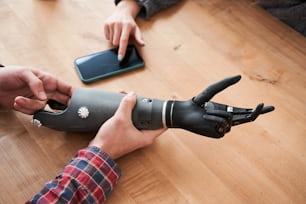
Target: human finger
27,106
110,32
126,106
54,87
117,34
124,41
106,31
64,88
59,97
138,36
34,83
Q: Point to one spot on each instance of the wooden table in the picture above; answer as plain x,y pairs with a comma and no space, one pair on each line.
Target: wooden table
188,47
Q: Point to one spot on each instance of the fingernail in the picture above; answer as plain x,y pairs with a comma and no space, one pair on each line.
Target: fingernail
42,95
142,43
120,58
19,101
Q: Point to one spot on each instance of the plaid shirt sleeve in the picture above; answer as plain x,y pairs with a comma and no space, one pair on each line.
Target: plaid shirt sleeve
88,178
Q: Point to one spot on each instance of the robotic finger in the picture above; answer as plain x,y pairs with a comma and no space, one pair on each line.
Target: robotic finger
215,88
239,115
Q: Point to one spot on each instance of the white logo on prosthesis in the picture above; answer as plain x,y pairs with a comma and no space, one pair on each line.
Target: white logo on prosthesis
83,112
36,122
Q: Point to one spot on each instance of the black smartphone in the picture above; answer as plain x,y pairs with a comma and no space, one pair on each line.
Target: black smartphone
104,64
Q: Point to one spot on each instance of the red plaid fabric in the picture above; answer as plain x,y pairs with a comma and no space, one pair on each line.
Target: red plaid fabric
88,178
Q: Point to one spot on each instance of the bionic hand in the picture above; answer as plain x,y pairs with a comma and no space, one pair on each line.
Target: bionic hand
89,108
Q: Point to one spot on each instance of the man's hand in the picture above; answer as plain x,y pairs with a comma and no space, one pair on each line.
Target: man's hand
27,90
118,136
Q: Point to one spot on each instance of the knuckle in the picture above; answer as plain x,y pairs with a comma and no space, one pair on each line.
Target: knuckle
115,42
37,83
130,24
118,121
124,39
112,23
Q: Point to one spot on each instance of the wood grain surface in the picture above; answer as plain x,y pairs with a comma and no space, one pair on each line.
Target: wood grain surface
188,47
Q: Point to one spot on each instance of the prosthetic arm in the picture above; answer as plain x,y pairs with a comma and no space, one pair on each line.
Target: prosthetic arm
89,108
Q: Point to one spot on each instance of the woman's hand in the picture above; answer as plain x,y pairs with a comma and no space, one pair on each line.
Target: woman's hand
121,25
